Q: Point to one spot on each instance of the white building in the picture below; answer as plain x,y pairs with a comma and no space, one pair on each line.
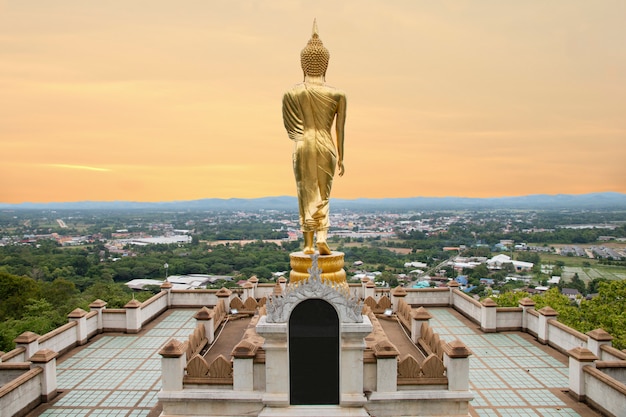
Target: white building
498,262
139,284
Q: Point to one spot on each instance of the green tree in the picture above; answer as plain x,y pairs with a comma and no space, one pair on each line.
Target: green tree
39,317
509,298
390,278
14,292
529,257
594,285
115,294
569,314
607,311
480,271
577,283
552,298
62,294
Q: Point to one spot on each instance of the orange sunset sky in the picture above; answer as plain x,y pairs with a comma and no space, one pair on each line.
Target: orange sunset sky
158,100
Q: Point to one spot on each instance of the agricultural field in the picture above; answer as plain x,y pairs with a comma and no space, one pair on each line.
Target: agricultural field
586,268
599,271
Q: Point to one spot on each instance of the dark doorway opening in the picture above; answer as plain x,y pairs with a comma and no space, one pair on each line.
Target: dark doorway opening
314,353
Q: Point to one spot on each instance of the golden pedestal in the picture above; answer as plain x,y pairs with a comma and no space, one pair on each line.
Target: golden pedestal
330,265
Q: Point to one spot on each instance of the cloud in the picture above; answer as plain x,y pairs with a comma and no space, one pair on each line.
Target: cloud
78,167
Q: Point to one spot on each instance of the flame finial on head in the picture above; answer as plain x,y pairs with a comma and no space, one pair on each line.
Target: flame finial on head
314,57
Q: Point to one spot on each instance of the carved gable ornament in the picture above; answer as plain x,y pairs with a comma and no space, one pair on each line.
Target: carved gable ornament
279,307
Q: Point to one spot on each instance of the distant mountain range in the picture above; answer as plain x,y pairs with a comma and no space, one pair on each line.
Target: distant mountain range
537,202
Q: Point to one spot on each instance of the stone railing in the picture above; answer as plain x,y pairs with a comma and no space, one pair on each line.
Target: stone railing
196,342
153,307
562,337
379,306
466,305
609,353
16,355
25,385
542,324
601,384
197,370
428,297
250,306
425,368
192,298
508,318
220,370
249,358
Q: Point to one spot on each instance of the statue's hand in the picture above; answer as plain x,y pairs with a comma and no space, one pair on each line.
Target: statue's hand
341,168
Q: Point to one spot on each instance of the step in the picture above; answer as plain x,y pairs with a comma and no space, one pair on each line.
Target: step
313,411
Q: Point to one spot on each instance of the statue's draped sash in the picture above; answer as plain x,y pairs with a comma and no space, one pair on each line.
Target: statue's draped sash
308,114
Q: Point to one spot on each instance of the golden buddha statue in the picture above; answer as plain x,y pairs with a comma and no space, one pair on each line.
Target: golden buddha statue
309,110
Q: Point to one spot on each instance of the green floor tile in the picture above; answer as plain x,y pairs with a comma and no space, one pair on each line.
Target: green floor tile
550,377
143,380
503,398
154,342
485,379
68,379
486,412
503,340
139,413
518,378
82,398
64,412
105,379
517,412
123,399
517,351
536,397
558,412
530,362
498,362
149,400
478,400
109,413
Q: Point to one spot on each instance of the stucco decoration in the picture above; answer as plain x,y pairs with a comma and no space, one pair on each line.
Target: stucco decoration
279,307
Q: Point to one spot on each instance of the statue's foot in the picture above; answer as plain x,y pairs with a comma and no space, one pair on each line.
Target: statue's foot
308,243
323,248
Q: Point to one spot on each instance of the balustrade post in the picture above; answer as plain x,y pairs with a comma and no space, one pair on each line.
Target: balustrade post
418,318
397,294
597,338
46,359
456,360
133,316
543,329
526,304
80,317
488,318
99,306
30,342
173,361
579,357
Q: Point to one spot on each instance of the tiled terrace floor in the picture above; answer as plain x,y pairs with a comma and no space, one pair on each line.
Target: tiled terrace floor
510,373
119,375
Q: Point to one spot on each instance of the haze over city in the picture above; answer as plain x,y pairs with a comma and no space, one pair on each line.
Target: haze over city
159,100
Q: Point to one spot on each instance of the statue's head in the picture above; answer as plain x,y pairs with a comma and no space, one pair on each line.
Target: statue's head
314,57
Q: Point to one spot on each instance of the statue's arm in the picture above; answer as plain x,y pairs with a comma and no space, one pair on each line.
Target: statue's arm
291,117
339,126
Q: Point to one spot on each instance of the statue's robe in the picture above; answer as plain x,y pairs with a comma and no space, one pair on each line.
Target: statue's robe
308,115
